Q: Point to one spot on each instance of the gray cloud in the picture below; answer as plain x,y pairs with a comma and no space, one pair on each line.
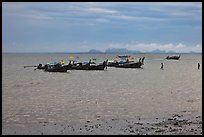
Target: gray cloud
104,23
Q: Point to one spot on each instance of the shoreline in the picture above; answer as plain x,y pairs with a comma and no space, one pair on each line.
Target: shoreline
176,124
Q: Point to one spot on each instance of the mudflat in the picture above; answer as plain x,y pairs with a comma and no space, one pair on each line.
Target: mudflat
117,101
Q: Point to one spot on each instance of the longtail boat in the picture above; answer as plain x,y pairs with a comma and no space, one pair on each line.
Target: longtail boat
112,63
86,66
126,63
55,68
129,65
173,57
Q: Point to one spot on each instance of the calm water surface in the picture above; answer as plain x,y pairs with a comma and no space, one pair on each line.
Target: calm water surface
30,95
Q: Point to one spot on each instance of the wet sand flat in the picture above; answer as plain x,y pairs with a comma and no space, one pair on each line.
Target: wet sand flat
187,124
116,101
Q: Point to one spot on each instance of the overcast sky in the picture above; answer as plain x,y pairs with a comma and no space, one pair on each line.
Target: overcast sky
81,26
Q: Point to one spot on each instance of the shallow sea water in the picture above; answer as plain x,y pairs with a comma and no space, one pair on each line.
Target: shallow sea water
29,96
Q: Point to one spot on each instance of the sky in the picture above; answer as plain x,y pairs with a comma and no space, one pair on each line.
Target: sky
82,26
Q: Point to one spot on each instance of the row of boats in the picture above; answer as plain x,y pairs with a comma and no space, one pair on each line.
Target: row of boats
125,62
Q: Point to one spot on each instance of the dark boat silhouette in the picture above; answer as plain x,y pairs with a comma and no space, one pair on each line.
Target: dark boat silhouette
173,57
129,65
126,63
86,66
55,68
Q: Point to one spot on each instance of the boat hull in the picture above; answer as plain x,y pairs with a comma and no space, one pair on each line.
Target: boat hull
173,57
111,64
98,67
55,68
131,65
86,67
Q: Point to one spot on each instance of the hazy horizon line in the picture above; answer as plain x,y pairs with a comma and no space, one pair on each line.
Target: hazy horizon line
99,53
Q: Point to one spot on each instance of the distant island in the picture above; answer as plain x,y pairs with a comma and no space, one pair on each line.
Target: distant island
118,51
126,51
95,51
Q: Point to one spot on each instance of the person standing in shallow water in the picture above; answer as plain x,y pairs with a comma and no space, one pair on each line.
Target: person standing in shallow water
198,65
106,63
162,65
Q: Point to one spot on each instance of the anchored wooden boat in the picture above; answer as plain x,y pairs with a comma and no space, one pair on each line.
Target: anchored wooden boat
173,57
40,66
129,65
97,67
86,66
126,63
55,68
111,63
